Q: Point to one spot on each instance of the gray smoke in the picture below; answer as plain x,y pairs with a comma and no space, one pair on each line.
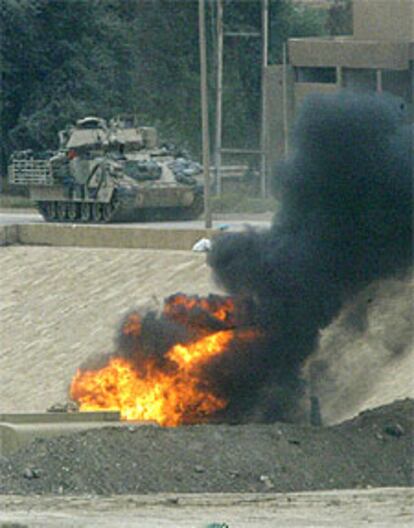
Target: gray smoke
345,220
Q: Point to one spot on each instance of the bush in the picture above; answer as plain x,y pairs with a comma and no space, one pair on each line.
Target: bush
242,202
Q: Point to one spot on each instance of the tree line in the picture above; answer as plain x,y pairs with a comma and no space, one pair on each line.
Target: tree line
64,59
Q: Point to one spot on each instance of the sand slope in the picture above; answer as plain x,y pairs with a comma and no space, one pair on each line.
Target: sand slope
60,305
366,356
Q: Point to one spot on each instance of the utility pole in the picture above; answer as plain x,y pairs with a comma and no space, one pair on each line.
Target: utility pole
285,102
260,153
263,128
219,94
204,112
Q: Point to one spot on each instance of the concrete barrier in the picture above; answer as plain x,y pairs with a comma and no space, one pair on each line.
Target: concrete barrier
103,236
17,430
59,417
8,235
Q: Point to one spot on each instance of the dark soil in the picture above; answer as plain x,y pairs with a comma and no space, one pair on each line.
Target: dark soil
374,449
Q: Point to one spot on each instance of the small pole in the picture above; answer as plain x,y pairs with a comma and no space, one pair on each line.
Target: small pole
285,110
219,95
204,113
265,38
379,81
339,77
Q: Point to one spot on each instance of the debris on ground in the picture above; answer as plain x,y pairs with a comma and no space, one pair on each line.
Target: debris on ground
202,245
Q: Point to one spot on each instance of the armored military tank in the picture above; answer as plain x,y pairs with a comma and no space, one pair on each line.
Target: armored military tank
110,172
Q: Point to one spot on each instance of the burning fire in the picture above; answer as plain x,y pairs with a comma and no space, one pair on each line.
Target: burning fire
172,391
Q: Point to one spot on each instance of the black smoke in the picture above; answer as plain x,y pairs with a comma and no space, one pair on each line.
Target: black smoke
345,220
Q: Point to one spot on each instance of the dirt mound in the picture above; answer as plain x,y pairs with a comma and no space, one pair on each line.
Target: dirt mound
374,449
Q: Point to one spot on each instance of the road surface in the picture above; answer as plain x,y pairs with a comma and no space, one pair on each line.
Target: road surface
376,508
229,221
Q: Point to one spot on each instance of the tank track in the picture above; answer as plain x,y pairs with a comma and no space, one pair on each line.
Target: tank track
122,208
118,210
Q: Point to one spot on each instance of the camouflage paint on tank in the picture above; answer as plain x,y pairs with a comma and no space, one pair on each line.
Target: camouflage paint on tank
110,171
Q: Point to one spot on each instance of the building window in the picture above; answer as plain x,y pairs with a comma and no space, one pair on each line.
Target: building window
398,83
315,75
360,79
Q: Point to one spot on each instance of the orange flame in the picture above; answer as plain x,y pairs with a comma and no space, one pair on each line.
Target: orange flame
221,308
170,398
173,393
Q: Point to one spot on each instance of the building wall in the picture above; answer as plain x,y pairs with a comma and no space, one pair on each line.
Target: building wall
379,57
383,19
348,52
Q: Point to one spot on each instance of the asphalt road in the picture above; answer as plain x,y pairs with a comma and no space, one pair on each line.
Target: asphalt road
232,222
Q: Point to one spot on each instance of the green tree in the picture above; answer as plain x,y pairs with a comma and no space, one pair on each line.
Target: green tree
64,59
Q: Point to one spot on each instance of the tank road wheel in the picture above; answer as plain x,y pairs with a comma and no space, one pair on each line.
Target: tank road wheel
85,212
198,205
107,211
73,211
195,210
48,210
61,211
42,208
97,212
51,212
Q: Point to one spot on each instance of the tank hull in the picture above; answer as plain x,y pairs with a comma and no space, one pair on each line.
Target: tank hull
122,207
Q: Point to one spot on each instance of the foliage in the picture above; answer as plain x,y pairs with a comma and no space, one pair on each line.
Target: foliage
293,20
63,59
242,201
9,201
339,20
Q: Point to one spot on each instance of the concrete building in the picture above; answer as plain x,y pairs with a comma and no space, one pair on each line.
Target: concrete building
379,56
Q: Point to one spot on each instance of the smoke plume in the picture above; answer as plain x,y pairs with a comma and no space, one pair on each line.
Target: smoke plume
345,219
